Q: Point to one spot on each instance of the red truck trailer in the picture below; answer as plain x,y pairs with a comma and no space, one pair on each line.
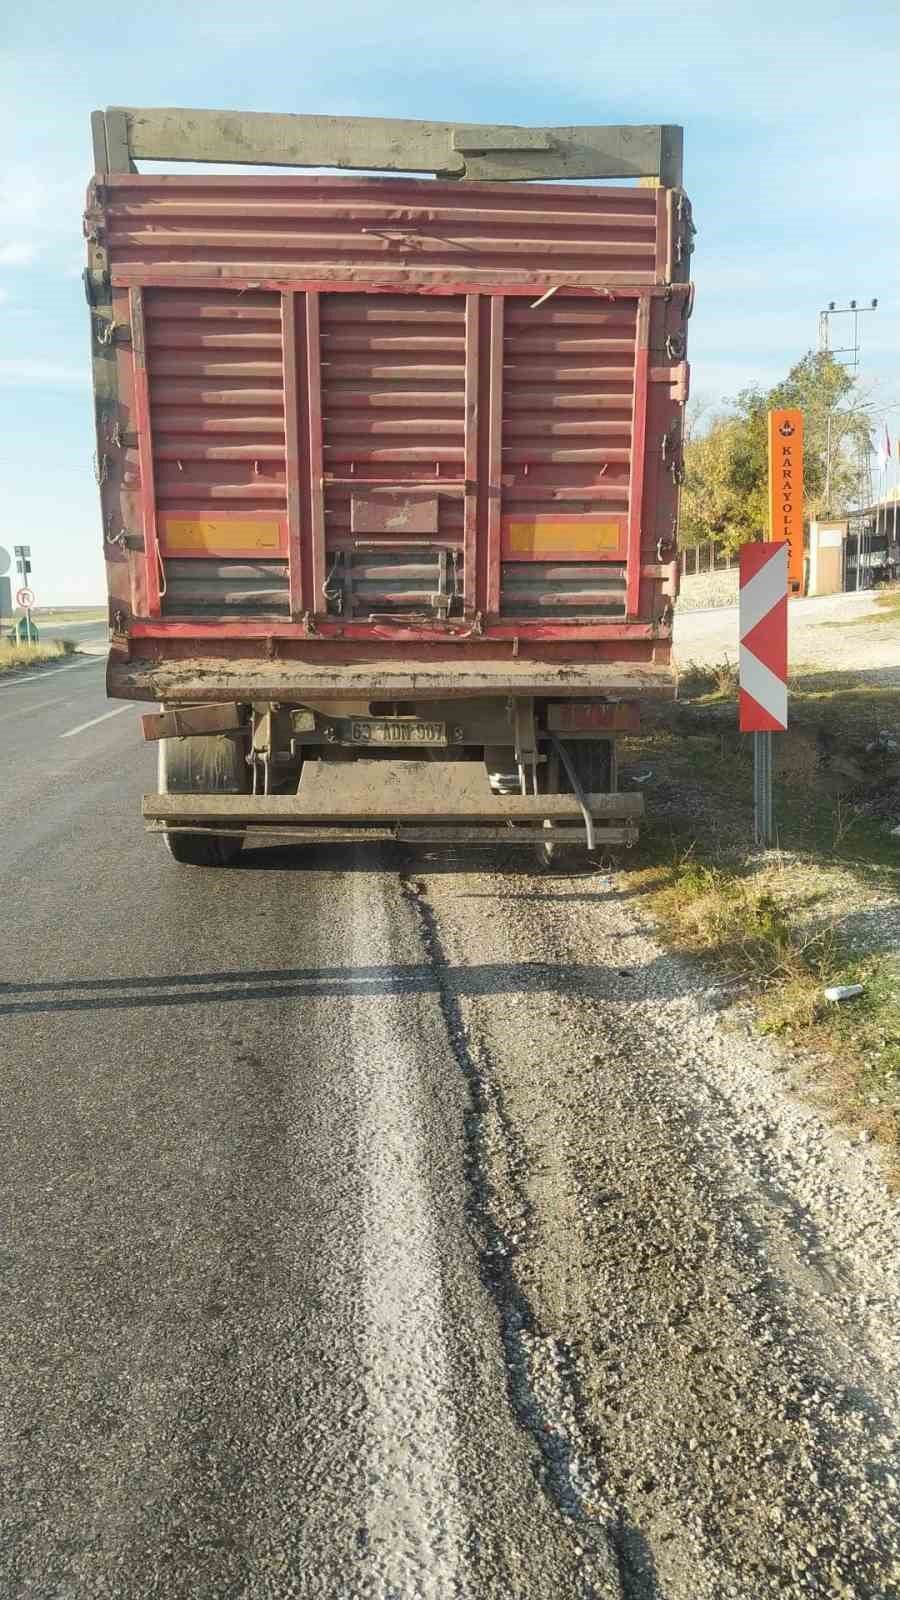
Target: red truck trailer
388,468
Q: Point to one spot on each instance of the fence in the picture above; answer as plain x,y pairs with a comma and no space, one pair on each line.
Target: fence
705,557
871,554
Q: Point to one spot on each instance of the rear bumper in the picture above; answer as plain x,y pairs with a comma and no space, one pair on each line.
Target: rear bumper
254,681
420,802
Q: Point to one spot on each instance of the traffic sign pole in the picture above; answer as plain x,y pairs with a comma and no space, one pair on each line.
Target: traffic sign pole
763,666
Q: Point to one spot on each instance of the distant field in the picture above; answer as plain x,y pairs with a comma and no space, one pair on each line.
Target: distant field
50,614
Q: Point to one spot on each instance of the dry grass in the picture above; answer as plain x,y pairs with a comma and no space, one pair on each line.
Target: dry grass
16,657
719,681
735,919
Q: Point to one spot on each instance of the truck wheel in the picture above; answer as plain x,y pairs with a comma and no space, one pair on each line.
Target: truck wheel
594,765
592,760
211,763
203,849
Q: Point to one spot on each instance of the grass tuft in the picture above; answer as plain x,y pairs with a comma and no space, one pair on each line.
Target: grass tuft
719,681
16,657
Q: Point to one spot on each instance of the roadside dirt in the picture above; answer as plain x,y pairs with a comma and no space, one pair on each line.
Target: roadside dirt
696,1276
837,633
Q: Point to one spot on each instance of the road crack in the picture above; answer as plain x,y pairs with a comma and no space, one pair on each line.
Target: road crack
543,1371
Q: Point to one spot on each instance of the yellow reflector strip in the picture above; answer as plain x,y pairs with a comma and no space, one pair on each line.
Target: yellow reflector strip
544,535
216,535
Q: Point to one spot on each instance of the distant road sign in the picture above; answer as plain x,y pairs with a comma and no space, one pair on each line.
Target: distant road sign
5,559
25,598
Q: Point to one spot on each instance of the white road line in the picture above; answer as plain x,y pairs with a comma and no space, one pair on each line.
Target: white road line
413,1514
51,672
116,712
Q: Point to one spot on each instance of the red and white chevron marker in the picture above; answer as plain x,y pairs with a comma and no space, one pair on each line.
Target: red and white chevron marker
763,631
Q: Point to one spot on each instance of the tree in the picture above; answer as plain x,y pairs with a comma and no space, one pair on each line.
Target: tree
726,466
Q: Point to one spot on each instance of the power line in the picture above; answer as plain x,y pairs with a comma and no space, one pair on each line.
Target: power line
863,463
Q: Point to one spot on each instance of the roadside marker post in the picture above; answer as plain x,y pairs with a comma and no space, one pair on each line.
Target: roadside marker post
762,621
786,489
24,598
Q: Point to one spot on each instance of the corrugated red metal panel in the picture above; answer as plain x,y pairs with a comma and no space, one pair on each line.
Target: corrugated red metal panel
217,431
301,226
394,440
398,406
567,409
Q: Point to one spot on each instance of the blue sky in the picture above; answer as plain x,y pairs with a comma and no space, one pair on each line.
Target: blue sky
791,161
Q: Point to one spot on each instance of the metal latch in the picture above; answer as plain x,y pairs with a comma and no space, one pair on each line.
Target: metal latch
670,451
107,332
684,238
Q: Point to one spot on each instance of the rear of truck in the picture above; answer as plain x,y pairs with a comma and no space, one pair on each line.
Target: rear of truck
389,470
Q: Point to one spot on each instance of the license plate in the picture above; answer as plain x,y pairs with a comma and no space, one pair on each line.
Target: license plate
373,730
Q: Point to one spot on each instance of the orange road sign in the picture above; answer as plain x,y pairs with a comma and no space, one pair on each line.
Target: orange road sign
786,489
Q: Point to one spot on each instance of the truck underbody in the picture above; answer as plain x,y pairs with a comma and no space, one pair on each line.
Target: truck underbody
471,769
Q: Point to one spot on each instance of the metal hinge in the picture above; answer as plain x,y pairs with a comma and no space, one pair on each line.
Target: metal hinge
123,539
670,452
684,238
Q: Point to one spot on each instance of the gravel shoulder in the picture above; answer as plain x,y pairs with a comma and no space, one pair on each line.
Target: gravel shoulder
709,1269
816,637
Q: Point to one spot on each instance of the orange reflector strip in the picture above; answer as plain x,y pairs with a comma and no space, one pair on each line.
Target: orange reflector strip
193,536
547,535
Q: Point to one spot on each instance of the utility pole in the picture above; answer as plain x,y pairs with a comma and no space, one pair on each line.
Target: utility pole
851,351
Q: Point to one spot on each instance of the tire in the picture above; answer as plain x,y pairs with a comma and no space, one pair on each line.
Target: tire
203,764
594,769
203,849
592,760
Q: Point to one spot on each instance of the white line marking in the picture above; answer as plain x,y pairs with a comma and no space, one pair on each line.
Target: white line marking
41,705
116,712
415,1542
50,673
765,589
760,682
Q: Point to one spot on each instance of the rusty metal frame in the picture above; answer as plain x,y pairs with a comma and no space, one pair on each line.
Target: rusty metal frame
152,557
316,474
452,632
293,461
638,464
472,404
494,458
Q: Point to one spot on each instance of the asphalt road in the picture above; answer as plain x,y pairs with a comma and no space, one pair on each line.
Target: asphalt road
342,1195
